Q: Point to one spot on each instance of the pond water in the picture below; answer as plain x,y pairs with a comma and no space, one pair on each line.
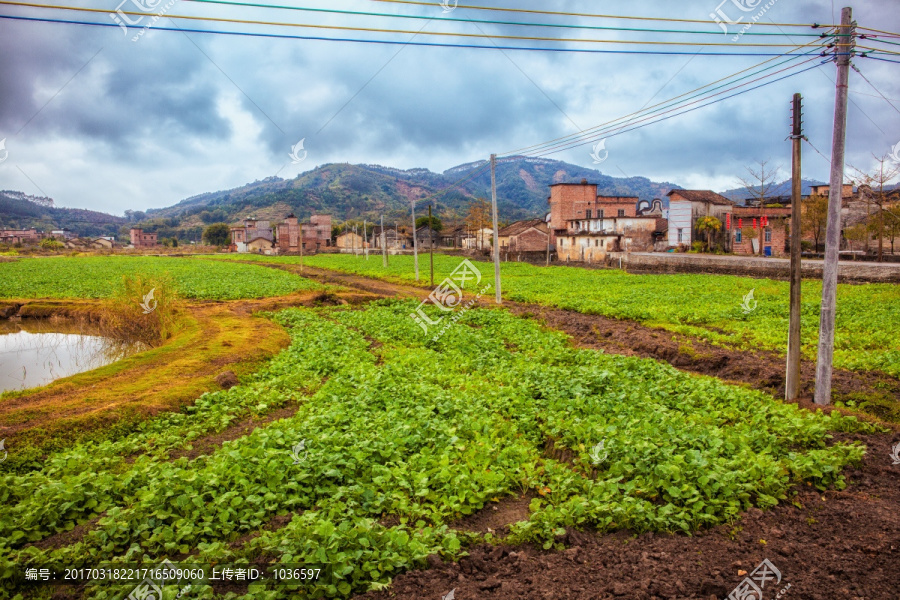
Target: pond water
36,352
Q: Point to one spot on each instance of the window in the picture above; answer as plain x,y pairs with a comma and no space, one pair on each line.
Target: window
738,236
588,214
680,235
596,243
621,212
768,235
600,214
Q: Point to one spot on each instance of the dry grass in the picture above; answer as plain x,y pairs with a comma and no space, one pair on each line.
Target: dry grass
143,310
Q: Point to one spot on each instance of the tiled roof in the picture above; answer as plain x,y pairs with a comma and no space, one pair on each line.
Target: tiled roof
521,226
702,196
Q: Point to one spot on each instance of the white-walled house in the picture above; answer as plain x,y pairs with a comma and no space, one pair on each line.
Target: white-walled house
686,206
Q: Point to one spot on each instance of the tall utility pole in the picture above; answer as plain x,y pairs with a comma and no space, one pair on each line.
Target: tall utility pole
301,247
843,48
792,380
366,238
415,239
496,243
431,244
384,262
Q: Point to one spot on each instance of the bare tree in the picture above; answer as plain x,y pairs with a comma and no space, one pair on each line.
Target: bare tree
871,186
759,184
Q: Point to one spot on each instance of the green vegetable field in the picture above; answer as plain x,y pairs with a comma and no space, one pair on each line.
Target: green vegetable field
704,306
98,277
401,438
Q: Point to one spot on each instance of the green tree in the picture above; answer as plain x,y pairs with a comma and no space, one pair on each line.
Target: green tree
435,222
708,225
217,234
814,217
51,243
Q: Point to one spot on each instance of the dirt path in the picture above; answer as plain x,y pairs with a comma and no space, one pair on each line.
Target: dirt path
763,370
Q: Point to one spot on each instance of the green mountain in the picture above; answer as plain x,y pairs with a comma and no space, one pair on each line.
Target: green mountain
367,191
342,190
20,211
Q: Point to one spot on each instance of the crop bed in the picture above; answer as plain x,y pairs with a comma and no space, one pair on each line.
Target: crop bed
707,307
101,276
402,438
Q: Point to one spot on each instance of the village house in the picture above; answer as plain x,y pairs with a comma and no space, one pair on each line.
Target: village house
252,236
454,238
427,237
772,222
350,241
525,236
589,240
686,207
315,235
394,239
478,239
19,236
586,226
103,243
63,234
139,239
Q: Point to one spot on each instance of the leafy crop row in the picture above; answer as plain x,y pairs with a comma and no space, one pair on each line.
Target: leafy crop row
705,306
100,277
421,433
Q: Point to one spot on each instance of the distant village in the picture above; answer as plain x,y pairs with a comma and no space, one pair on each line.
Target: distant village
581,225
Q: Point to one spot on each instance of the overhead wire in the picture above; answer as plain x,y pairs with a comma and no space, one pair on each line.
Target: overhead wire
395,42
872,85
593,15
680,113
483,21
540,154
358,29
670,100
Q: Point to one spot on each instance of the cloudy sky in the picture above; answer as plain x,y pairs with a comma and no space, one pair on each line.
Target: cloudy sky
95,117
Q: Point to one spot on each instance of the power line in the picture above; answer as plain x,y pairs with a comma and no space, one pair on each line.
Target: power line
401,31
483,21
872,85
396,42
485,167
615,133
669,101
591,15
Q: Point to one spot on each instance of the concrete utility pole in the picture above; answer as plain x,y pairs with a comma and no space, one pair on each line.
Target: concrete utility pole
792,379
496,243
366,238
431,244
301,247
843,49
384,261
415,239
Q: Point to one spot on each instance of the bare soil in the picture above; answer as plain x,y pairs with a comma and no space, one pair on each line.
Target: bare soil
836,545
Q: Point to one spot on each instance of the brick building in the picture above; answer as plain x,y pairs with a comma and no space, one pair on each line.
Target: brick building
19,236
315,235
139,239
580,200
746,227
525,236
252,236
589,240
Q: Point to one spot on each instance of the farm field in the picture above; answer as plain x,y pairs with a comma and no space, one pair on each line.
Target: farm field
403,466
707,307
98,277
394,440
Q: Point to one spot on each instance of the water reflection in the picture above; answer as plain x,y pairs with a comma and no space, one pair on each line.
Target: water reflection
36,352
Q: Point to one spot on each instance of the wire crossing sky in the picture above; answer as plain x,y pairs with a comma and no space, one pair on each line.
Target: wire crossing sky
141,103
